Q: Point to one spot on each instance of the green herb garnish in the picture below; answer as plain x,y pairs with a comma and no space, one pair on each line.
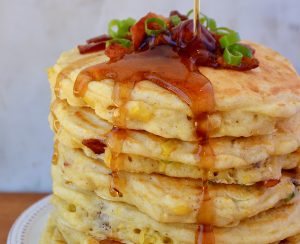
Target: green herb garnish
234,54
221,31
209,23
175,20
124,42
189,13
122,27
229,39
232,57
242,49
161,23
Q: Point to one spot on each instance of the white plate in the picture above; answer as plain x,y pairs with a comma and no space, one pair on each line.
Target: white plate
28,228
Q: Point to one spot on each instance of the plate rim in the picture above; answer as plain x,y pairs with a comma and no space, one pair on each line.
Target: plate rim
20,226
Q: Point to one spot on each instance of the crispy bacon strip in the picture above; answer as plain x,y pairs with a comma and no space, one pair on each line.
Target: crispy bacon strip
98,39
116,51
94,44
270,183
91,47
97,146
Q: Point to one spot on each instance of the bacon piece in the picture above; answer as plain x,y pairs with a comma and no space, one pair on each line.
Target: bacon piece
116,51
270,183
66,164
181,16
91,47
97,39
138,30
95,145
247,64
94,44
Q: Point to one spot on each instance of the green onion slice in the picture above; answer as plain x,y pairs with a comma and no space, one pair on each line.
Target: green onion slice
234,54
175,20
229,39
124,42
241,49
209,23
223,31
113,24
189,13
158,21
122,27
232,57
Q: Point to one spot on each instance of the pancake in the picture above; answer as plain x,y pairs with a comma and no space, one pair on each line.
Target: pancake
262,171
135,163
247,103
51,234
58,232
292,240
78,124
97,217
168,199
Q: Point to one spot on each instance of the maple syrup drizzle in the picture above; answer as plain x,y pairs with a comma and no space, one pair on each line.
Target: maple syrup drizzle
56,127
65,72
114,186
55,153
206,212
56,123
121,95
205,231
164,67
204,235
115,140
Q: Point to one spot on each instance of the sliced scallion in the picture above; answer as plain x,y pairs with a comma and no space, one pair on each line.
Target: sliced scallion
229,39
189,13
120,28
111,26
241,49
234,54
124,42
209,23
175,20
223,31
161,23
233,58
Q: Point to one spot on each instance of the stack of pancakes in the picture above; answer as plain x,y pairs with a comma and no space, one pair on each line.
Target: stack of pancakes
145,182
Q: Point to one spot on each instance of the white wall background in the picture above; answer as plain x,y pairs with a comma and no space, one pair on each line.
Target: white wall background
34,32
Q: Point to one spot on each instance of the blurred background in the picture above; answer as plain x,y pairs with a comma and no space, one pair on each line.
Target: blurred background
35,32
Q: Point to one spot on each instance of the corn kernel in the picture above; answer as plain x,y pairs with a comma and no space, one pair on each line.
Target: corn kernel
181,210
140,112
89,101
72,208
162,166
167,148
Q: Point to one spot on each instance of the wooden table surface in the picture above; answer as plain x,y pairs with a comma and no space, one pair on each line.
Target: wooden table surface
11,206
